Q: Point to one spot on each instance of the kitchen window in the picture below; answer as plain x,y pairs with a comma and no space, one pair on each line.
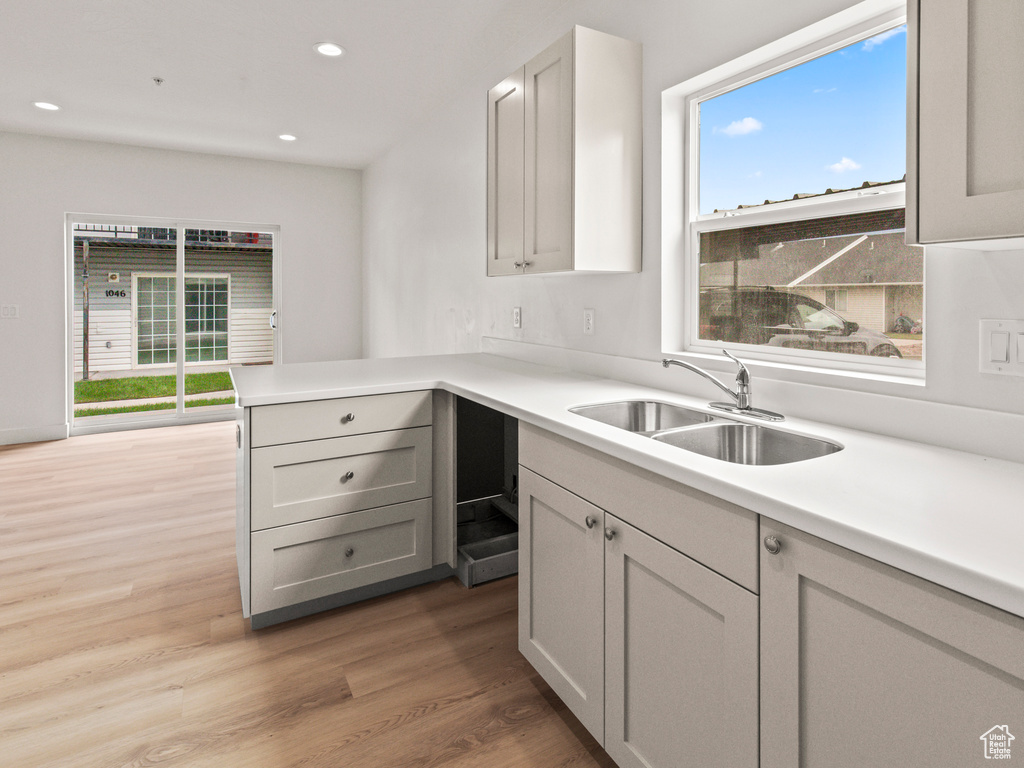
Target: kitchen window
790,246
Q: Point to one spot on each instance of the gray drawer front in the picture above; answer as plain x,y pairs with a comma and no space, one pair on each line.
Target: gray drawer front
305,561
297,482
321,419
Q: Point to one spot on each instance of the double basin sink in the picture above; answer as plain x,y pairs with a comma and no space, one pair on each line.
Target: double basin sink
709,435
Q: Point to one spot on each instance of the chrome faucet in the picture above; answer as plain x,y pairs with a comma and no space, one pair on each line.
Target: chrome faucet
741,397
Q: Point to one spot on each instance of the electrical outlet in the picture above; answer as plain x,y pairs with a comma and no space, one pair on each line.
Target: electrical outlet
9,311
588,322
517,317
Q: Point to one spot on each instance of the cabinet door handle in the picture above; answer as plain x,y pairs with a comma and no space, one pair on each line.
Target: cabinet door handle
609,533
524,264
590,521
347,418
347,476
773,545
349,552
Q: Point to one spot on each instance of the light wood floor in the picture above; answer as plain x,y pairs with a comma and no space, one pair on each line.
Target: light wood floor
122,641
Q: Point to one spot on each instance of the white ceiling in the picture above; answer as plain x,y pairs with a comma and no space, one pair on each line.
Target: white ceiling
237,73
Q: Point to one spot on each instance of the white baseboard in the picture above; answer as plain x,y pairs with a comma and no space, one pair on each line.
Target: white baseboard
33,434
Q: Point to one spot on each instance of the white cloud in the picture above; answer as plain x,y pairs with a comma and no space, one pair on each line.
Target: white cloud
877,40
846,164
743,127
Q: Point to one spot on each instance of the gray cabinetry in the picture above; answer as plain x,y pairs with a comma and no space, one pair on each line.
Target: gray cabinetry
863,664
564,143
652,650
335,495
561,594
965,160
680,659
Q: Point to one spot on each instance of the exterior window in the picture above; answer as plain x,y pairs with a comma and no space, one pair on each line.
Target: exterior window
794,203
835,298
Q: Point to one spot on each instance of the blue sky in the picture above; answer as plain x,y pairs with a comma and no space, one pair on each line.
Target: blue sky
832,122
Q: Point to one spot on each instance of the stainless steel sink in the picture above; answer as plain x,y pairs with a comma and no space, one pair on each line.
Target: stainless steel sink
643,416
748,443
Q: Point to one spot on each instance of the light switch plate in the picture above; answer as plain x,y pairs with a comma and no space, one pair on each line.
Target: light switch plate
1001,347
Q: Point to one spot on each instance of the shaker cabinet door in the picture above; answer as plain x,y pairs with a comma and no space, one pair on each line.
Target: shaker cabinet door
549,160
681,655
505,104
561,595
865,665
969,104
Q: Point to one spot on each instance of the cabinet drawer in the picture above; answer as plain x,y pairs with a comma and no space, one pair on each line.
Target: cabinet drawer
304,561
296,482
713,532
321,419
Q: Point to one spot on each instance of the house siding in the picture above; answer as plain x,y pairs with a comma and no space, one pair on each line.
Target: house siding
110,317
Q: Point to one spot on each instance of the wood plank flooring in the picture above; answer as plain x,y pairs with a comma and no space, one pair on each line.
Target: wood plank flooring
122,641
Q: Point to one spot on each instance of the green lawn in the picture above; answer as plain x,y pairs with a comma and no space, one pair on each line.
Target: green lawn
153,407
906,336
138,387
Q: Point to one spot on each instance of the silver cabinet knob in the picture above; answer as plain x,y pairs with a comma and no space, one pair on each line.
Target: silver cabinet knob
347,418
347,476
349,552
773,545
609,533
591,521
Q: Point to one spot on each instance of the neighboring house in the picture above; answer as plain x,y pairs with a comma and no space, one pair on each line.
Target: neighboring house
869,279
228,298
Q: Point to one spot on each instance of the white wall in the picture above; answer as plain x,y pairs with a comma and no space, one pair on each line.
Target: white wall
425,226
318,209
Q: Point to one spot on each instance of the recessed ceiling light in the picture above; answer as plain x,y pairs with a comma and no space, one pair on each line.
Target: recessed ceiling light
46,105
286,137
329,49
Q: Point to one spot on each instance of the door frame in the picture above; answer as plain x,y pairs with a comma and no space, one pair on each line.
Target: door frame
179,415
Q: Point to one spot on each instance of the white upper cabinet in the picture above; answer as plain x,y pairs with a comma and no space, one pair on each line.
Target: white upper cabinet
564,160
505,175
965,159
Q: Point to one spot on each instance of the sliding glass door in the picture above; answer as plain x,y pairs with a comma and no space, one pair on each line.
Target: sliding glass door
160,312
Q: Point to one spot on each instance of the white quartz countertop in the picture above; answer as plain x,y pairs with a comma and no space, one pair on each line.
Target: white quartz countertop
950,517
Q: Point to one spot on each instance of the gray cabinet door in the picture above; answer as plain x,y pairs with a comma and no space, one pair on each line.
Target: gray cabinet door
681,656
967,102
561,595
866,665
548,158
505,104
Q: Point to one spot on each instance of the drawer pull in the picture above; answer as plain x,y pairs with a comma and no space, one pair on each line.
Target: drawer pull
349,552
591,521
347,476
347,418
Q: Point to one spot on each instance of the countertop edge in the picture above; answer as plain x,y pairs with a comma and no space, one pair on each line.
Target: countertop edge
946,569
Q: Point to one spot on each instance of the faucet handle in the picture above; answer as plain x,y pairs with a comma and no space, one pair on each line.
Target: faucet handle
742,375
